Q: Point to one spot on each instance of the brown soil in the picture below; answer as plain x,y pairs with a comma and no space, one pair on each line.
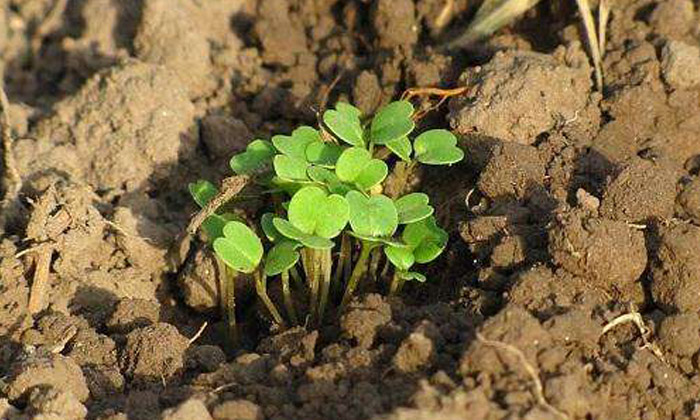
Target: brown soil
571,285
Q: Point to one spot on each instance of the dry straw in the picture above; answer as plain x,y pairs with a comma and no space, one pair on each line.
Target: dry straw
495,14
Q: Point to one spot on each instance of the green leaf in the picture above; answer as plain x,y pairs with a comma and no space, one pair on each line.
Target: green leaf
213,227
401,147
388,240
281,258
290,186
202,192
400,256
258,154
437,147
345,123
412,276
316,242
357,166
426,239
290,168
346,108
392,122
290,231
375,216
413,207
287,229
269,229
329,179
295,145
240,248
323,154
315,213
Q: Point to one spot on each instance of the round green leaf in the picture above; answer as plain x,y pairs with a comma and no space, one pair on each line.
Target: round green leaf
329,179
324,154
213,227
258,154
315,213
346,108
316,242
290,168
401,147
291,232
389,241
375,216
426,239
295,145
306,134
281,258
240,248
287,229
272,234
400,256
437,147
392,122
345,125
413,207
357,166
202,192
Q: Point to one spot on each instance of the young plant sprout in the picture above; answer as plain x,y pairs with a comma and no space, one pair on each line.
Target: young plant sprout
327,189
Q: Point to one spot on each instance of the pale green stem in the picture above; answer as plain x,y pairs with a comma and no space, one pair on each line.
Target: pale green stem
288,301
357,273
261,288
327,266
317,262
227,298
297,278
396,284
375,258
343,260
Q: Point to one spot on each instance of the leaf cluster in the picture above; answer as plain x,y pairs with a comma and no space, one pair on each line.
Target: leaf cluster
328,184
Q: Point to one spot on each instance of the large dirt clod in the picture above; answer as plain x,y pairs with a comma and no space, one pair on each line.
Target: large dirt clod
519,95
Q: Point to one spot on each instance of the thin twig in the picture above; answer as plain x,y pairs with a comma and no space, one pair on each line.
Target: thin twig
593,44
40,285
443,94
491,16
444,16
327,92
11,179
198,333
531,371
229,188
603,16
70,332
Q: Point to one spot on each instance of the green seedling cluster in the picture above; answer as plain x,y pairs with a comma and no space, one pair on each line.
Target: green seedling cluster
330,227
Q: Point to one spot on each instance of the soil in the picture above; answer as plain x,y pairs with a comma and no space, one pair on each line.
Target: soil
571,285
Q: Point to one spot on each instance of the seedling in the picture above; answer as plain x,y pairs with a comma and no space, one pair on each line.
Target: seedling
326,187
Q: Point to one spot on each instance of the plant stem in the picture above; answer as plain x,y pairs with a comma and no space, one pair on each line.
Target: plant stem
327,266
316,273
343,259
396,284
357,273
227,298
288,301
375,258
297,278
261,288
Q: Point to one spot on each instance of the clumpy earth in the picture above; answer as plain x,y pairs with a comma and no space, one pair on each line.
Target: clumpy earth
571,285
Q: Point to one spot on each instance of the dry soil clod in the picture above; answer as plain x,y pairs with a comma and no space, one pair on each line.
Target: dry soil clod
531,371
